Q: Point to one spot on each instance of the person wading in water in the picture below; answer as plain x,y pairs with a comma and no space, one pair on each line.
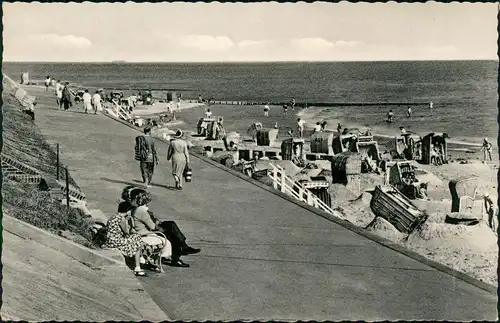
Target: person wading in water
145,153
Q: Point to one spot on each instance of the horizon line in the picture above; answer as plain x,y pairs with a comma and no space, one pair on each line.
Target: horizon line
239,62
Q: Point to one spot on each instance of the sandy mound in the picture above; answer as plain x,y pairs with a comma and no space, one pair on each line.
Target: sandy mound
424,176
433,206
385,229
470,249
290,168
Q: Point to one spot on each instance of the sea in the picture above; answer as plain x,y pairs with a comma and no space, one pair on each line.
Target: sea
464,93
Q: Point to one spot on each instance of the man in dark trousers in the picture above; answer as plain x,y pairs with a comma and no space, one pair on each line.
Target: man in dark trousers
168,228
66,97
147,156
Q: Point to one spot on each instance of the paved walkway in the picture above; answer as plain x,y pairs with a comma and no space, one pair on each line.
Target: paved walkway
262,256
43,284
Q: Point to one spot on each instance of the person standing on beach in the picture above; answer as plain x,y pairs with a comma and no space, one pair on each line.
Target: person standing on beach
390,116
179,154
339,128
285,109
317,127
300,127
266,110
47,83
431,105
489,206
146,155
208,114
66,97
87,101
323,126
292,104
408,112
486,148
96,102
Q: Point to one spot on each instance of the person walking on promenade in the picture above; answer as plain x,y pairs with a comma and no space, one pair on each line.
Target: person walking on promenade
431,105
96,102
408,112
87,101
119,236
179,154
58,92
146,155
292,104
486,148
300,127
47,83
266,110
66,97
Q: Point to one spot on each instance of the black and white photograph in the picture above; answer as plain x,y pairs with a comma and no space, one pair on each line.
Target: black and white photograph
250,161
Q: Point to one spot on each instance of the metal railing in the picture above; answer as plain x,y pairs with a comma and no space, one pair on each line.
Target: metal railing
288,186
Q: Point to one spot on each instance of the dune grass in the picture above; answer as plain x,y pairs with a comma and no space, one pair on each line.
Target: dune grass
24,142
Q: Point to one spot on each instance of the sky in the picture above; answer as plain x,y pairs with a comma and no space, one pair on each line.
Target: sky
226,32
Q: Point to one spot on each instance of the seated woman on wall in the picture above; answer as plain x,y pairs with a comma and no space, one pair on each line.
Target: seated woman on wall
169,228
119,236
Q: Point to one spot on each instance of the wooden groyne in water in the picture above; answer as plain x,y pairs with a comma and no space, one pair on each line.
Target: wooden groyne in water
323,104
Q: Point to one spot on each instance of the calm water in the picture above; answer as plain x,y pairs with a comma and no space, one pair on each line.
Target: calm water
464,92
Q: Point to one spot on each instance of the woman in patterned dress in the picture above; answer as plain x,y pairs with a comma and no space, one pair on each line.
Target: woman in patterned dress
118,236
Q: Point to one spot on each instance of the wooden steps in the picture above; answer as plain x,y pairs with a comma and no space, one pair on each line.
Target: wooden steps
20,172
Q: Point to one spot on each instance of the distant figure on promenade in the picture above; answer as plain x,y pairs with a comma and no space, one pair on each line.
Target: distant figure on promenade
87,101
119,236
266,110
96,102
146,155
66,97
408,112
200,99
179,154
486,148
59,90
300,127
323,126
317,127
339,128
208,114
285,109
47,83
431,105
275,125
390,116
292,104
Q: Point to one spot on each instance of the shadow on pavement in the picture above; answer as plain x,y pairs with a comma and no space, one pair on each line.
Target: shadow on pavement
117,181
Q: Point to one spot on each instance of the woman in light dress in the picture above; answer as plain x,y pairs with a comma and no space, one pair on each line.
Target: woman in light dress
178,152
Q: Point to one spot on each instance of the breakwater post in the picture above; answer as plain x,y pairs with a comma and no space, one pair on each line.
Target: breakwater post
57,161
67,187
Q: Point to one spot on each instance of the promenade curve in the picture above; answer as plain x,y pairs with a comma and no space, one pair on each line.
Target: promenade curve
263,257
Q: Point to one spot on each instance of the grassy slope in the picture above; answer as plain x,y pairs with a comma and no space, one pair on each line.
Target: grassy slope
24,142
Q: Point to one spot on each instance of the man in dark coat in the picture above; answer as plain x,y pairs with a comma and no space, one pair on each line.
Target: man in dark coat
66,97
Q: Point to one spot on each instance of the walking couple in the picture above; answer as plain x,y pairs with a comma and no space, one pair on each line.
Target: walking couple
146,154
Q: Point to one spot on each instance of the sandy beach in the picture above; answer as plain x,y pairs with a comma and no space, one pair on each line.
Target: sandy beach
472,250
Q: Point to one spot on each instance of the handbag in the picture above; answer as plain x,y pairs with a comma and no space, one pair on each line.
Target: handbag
188,173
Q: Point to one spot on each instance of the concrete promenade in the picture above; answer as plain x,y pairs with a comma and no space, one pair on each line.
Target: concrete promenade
262,257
